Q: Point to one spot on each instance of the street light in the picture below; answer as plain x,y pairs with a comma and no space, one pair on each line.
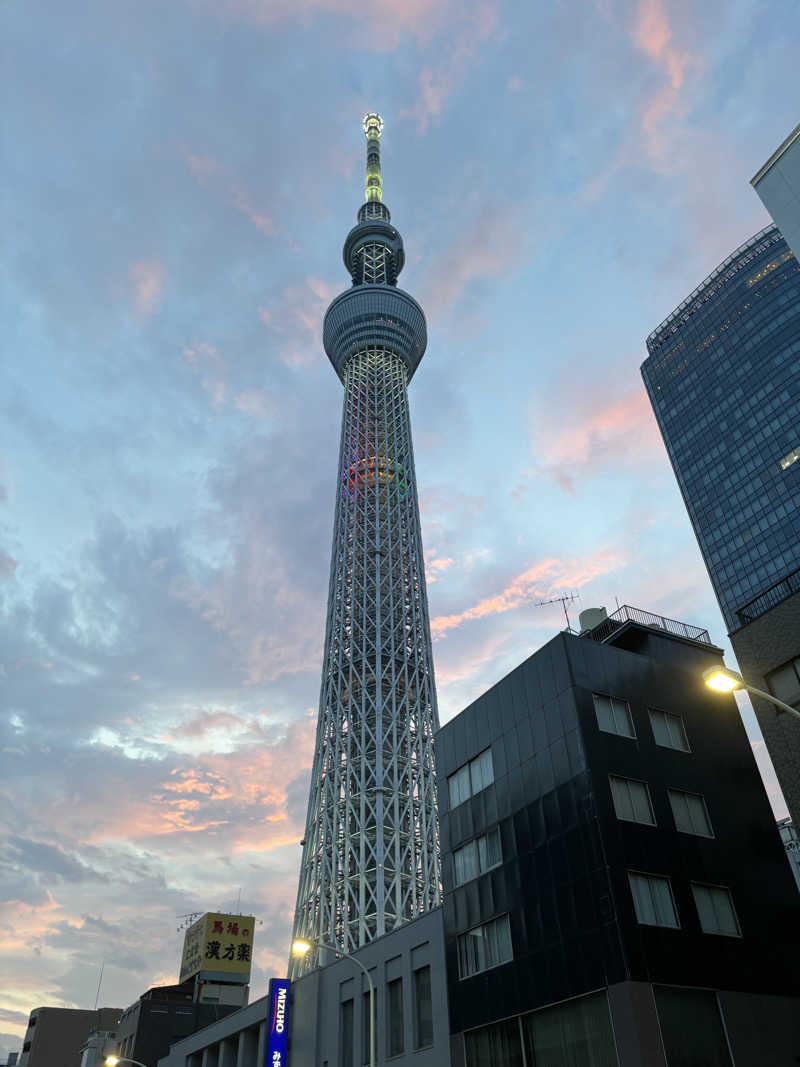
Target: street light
301,947
112,1061
726,681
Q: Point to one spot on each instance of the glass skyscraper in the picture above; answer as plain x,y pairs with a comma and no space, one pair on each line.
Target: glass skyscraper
723,375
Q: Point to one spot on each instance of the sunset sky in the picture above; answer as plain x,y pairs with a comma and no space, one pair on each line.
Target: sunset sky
179,176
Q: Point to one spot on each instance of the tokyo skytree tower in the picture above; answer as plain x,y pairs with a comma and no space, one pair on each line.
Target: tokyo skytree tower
371,847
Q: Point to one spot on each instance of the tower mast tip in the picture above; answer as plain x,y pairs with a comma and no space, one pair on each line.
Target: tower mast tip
373,183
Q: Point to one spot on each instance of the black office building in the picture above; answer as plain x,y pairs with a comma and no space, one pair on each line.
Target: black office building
615,890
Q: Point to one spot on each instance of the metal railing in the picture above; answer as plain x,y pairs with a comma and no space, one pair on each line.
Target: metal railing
770,597
646,618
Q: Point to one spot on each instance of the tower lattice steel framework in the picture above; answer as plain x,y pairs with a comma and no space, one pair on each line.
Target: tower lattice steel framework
371,847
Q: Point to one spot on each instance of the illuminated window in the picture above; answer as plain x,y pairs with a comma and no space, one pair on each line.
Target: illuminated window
790,458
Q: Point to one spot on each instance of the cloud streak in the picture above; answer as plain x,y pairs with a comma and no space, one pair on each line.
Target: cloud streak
546,578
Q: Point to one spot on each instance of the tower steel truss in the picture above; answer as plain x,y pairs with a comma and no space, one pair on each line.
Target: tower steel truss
371,847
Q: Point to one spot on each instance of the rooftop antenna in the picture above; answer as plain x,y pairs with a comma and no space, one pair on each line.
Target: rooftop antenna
188,919
563,601
99,983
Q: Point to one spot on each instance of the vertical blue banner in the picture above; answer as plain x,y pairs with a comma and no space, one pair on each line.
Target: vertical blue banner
277,1022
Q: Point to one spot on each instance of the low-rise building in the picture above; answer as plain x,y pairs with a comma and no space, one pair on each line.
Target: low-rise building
615,891
56,1036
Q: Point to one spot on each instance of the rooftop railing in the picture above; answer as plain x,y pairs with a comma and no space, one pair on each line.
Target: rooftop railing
770,598
646,618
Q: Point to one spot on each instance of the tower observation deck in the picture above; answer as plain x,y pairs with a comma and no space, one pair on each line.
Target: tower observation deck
371,847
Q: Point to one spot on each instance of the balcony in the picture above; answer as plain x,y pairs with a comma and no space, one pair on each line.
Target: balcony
627,614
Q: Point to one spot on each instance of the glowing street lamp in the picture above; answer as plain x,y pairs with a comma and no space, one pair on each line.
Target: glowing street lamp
301,947
112,1061
724,680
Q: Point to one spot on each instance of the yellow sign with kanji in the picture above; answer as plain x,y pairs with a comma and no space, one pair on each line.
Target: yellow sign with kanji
219,943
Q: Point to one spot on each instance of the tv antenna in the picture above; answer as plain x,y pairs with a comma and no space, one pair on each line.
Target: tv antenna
563,601
187,919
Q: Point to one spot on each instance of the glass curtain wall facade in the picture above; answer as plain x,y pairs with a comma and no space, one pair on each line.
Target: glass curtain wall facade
723,376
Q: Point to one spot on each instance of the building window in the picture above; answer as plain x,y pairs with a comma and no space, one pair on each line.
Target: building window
784,683
668,730
613,716
477,856
498,1045
575,1032
423,1008
394,1012
471,778
652,899
790,458
696,1012
365,1031
632,800
690,813
715,909
484,946
346,1023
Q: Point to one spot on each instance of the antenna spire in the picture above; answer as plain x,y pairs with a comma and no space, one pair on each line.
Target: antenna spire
373,184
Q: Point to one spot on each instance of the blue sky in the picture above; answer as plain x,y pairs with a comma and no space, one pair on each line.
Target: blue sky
179,179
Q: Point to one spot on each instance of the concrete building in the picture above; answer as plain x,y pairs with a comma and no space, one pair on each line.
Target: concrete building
56,1036
99,1045
329,1014
778,186
615,891
165,1014
723,376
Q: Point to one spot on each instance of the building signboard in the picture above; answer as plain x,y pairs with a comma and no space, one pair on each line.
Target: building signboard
278,1022
220,944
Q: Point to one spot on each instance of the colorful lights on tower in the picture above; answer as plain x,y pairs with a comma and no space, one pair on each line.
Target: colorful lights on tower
371,848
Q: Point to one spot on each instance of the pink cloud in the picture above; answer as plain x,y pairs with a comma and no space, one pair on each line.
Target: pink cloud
436,83
380,24
546,578
202,166
514,83
206,361
8,566
147,284
434,566
296,317
472,257
254,402
263,223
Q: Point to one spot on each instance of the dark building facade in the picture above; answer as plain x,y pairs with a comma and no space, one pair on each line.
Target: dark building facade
162,1016
56,1036
723,375
615,891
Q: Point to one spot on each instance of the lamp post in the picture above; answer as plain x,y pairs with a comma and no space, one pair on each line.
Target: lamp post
724,680
112,1061
300,948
